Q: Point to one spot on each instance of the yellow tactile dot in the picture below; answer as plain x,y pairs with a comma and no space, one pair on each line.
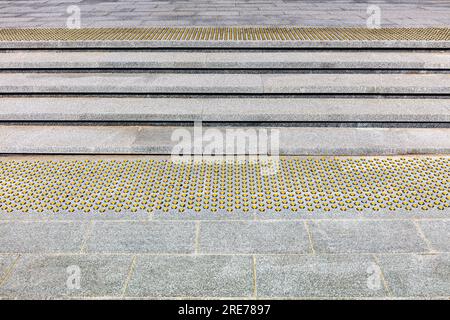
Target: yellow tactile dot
325,184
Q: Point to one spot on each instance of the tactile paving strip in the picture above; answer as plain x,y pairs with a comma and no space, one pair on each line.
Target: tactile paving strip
227,34
299,184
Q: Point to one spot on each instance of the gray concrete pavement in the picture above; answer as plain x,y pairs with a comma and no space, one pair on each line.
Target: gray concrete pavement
293,260
138,13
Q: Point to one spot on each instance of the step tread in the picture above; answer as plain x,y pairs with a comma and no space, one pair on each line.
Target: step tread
222,109
409,83
157,140
234,59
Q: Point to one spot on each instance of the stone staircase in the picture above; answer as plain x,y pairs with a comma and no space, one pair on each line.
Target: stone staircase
323,100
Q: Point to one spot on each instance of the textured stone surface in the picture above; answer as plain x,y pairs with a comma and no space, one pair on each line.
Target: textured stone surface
366,237
192,215
438,233
41,237
222,109
76,216
159,274
55,276
138,13
408,83
157,140
356,83
254,237
417,275
356,215
130,83
142,237
316,276
232,59
192,276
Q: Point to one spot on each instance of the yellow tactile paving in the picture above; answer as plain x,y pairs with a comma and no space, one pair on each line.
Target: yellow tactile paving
227,34
298,184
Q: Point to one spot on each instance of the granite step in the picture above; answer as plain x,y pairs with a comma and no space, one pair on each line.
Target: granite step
101,139
269,109
243,59
224,83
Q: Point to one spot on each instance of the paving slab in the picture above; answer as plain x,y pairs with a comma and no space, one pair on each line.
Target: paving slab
192,276
317,276
41,237
223,109
437,232
142,237
363,236
56,276
253,237
414,275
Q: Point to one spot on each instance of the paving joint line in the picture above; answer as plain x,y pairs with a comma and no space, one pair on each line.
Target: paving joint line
255,286
311,244
87,235
129,275
383,278
9,271
423,237
197,237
